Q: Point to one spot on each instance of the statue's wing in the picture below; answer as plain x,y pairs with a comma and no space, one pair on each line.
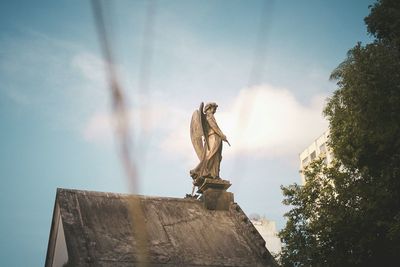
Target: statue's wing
196,132
204,124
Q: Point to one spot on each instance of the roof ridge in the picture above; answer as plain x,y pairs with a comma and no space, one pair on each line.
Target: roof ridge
122,195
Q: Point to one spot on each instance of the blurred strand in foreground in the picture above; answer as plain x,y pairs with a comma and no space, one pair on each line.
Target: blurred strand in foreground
120,115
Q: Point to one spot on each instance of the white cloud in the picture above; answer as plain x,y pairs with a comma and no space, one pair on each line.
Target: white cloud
90,66
98,128
145,121
262,121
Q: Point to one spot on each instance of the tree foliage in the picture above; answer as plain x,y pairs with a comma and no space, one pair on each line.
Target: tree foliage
348,214
384,22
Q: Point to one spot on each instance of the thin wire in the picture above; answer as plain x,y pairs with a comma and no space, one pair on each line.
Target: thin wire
119,109
256,72
145,111
122,133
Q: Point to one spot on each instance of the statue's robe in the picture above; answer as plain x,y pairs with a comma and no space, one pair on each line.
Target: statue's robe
209,166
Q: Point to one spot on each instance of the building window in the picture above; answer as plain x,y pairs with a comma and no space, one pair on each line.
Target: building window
322,148
305,161
313,155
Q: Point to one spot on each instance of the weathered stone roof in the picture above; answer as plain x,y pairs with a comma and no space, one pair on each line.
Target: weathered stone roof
180,232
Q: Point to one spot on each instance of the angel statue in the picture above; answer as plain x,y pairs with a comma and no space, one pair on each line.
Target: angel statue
207,140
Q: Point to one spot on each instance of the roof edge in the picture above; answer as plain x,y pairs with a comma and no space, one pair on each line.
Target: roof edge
53,231
121,195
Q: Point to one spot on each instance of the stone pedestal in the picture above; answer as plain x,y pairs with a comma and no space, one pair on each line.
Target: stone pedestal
214,193
216,199
214,184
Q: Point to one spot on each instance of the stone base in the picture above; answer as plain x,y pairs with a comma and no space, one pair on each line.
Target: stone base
214,184
214,193
216,199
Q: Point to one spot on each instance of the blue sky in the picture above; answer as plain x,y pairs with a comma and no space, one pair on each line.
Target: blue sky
54,103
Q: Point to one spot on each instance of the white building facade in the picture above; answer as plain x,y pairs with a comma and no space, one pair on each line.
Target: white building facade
267,230
317,149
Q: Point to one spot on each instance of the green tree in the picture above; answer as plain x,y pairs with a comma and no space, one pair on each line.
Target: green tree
384,22
325,220
348,214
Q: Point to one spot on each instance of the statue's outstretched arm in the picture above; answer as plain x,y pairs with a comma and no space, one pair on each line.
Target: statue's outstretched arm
213,124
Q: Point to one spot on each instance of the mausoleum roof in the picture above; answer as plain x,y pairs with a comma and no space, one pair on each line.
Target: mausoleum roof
99,231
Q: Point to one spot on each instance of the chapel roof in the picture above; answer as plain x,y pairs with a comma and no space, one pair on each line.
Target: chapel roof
99,231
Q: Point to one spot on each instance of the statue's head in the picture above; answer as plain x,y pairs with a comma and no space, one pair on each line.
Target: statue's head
211,106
